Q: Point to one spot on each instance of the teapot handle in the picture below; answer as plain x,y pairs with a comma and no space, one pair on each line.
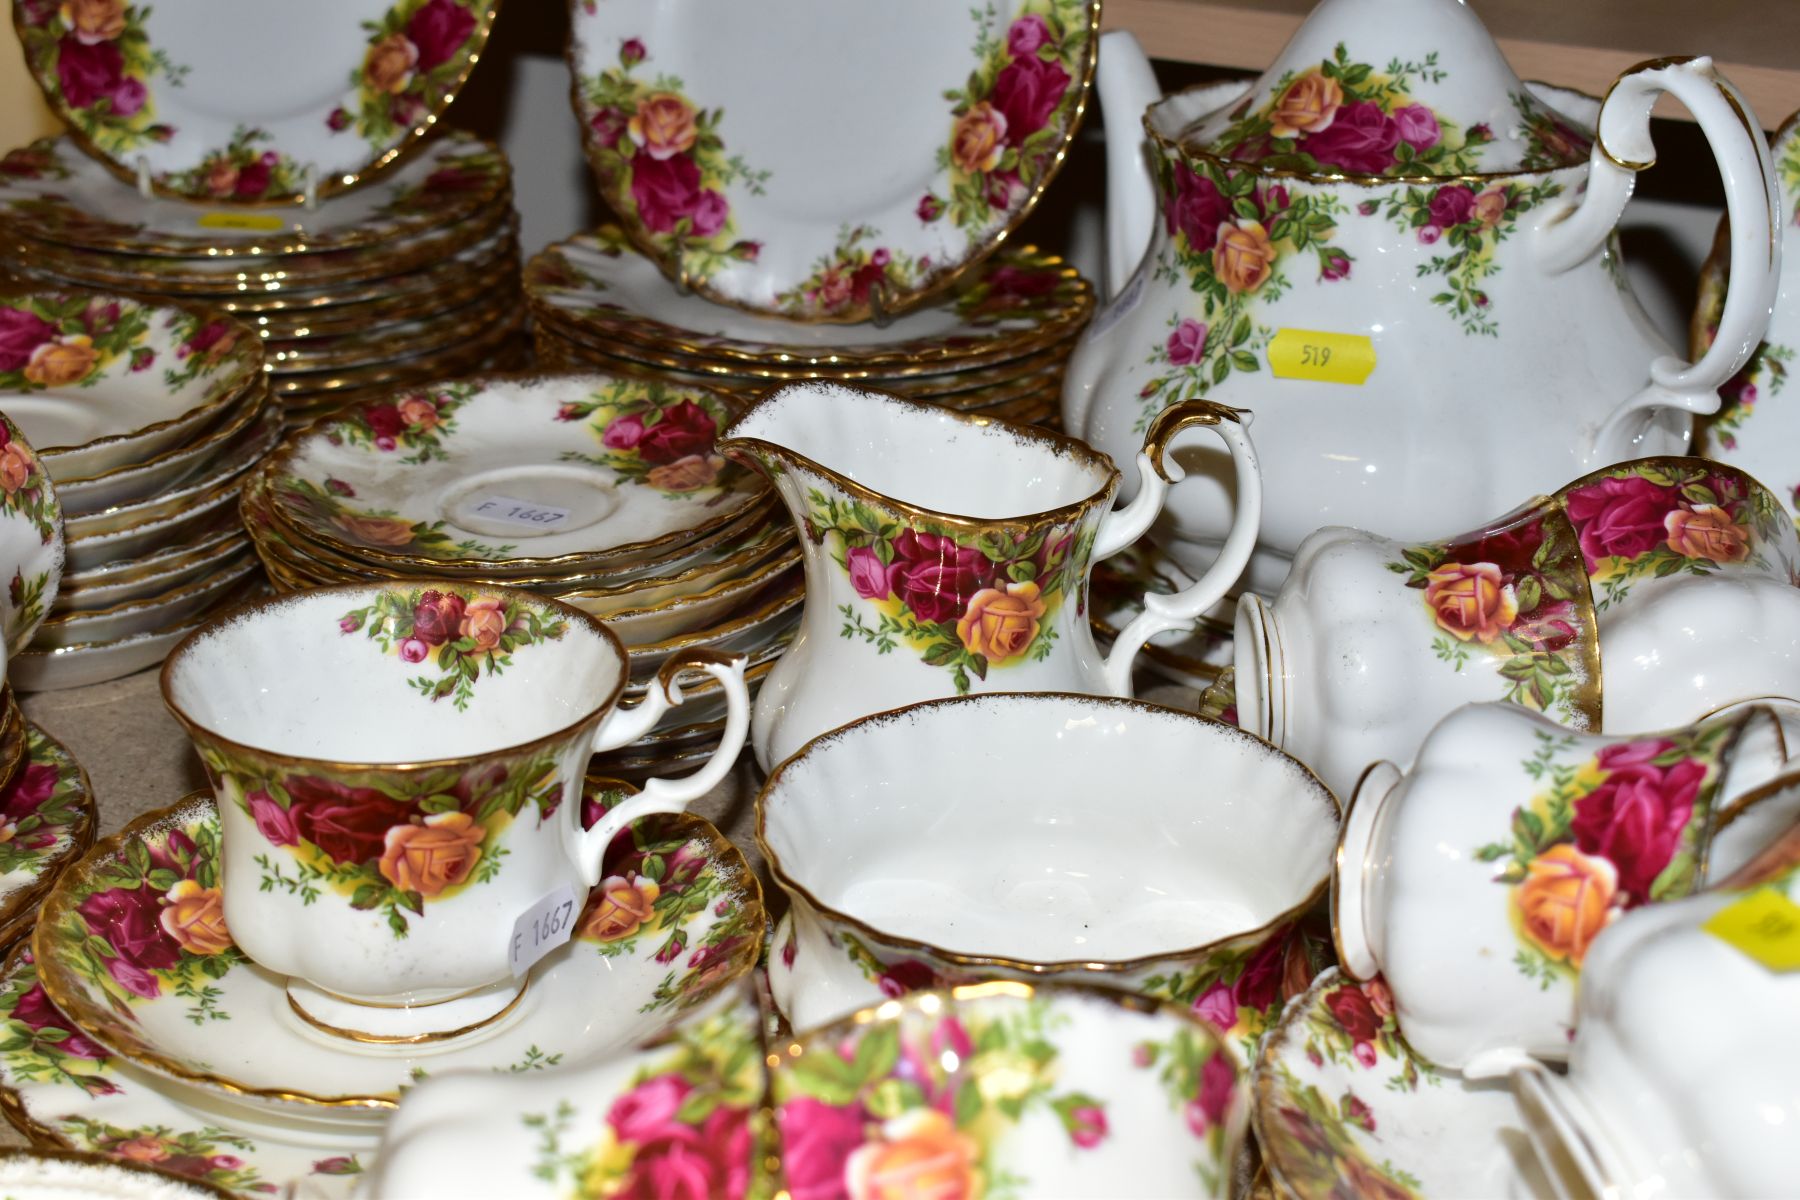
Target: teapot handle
1622,148
1157,472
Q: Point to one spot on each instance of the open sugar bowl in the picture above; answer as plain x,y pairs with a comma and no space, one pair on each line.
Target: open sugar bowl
1046,837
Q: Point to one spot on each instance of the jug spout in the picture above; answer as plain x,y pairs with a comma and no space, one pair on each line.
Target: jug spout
1127,86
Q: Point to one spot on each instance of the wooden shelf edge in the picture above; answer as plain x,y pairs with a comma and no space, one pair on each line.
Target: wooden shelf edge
1223,34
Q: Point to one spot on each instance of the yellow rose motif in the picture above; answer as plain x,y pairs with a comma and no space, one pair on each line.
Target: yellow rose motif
1471,601
623,907
1490,206
1003,1075
979,139
16,466
94,20
146,1148
1565,900
1707,531
375,531
388,67
483,622
923,1155
195,917
663,126
1243,257
1309,105
64,361
439,853
221,177
419,413
688,474
999,625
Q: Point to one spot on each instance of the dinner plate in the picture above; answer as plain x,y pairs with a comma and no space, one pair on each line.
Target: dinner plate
256,100
824,160
32,544
53,192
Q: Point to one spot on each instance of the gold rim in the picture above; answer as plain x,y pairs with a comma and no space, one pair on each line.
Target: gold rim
251,588
326,185
355,264
940,282
165,561
194,506
209,442
355,316
676,346
130,518
1093,966
730,861
751,449
92,237
218,554
309,387
417,282
258,608
619,555
377,343
789,597
187,591
415,1039
747,584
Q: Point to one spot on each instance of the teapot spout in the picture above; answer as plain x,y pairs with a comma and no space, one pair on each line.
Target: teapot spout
1127,86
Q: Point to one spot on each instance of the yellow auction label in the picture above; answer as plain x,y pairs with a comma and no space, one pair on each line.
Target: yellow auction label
1765,925
1326,357
256,222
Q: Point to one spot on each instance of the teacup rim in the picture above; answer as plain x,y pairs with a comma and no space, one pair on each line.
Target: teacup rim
256,606
731,444
1047,967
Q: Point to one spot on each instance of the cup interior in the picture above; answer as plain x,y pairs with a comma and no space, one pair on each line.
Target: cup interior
1050,828
303,676
924,456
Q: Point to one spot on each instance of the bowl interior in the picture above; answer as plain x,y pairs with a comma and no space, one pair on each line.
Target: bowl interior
1050,828
926,456
394,674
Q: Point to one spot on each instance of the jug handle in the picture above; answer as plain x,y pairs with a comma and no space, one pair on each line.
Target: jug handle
623,726
1127,85
1623,147
1157,472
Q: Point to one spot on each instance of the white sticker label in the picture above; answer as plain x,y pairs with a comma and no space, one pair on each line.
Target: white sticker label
519,512
542,928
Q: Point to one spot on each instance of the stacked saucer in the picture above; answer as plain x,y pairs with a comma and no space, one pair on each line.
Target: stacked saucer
146,416
600,490
995,345
409,278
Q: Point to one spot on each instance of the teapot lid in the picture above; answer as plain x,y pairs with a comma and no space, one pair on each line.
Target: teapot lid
1391,88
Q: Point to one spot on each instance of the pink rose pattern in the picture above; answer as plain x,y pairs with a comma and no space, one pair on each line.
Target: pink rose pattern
1005,124
1632,809
949,1118
462,631
98,73
45,812
661,436
662,164
964,601
1323,1137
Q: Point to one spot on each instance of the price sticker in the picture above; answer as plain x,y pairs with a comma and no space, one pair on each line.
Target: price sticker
541,928
519,512
1765,925
1325,357
254,222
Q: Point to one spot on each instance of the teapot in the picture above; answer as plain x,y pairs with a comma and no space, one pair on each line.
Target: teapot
1403,259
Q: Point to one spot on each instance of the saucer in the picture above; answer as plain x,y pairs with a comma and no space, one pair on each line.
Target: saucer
47,820
64,1092
1343,1107
575,471
678,915
704,126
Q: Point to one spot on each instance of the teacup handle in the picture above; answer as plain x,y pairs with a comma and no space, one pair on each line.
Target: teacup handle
623,726
1157,472
1622,148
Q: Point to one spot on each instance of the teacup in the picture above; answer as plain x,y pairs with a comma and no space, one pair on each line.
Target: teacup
398,770
1044,836
1638,597
1476,881
1681,1078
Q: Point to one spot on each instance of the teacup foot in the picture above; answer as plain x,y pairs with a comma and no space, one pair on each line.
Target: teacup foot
427,1020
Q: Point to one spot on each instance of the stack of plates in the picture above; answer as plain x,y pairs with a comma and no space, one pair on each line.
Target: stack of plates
996,344
409,278
146,417
601,490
